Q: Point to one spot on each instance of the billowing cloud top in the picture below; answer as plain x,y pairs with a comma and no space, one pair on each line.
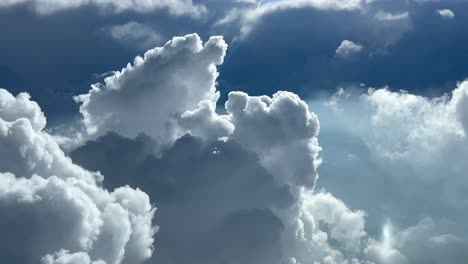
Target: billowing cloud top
145,96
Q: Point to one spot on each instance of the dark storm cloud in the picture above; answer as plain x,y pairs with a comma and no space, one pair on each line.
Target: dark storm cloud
214,200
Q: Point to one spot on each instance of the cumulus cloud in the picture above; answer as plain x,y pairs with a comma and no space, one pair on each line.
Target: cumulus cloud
263,147
404,147
55,210
348,48
271,127
281,130
256,163
25,148
446,13
147,95
175,7
229,197
237,184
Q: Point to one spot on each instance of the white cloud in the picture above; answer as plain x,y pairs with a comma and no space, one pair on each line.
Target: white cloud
407,147
175,7
149,95
54,205
386,16
281,130
134,34
264,169
248,15
25,148
348,48
446,13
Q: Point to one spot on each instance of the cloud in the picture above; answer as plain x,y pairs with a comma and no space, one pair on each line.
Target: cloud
25,148
153,84
205,192
281,130
249,14
175,7
319,4
270,126
134,34
56,210
227,193
256,163
446,13
247,172
386,16
401,148
348,48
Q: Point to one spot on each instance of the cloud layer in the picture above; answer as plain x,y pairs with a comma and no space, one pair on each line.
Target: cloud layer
237,184
408,152
176,7
55,210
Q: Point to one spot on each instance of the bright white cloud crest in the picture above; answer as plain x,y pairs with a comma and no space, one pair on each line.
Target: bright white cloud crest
148,95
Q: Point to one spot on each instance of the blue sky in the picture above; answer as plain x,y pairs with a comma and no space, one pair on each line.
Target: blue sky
219,131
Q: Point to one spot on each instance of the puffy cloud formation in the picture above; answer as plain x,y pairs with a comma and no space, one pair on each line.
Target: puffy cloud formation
235,185
148,95
238,211
272,127
229,197
25,148
348,48
446,13
281,130
403,149
175,7
55,210
247,175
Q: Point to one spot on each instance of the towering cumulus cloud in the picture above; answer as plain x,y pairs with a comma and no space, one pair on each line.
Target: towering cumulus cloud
232,185
55,211
146,96
238,188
